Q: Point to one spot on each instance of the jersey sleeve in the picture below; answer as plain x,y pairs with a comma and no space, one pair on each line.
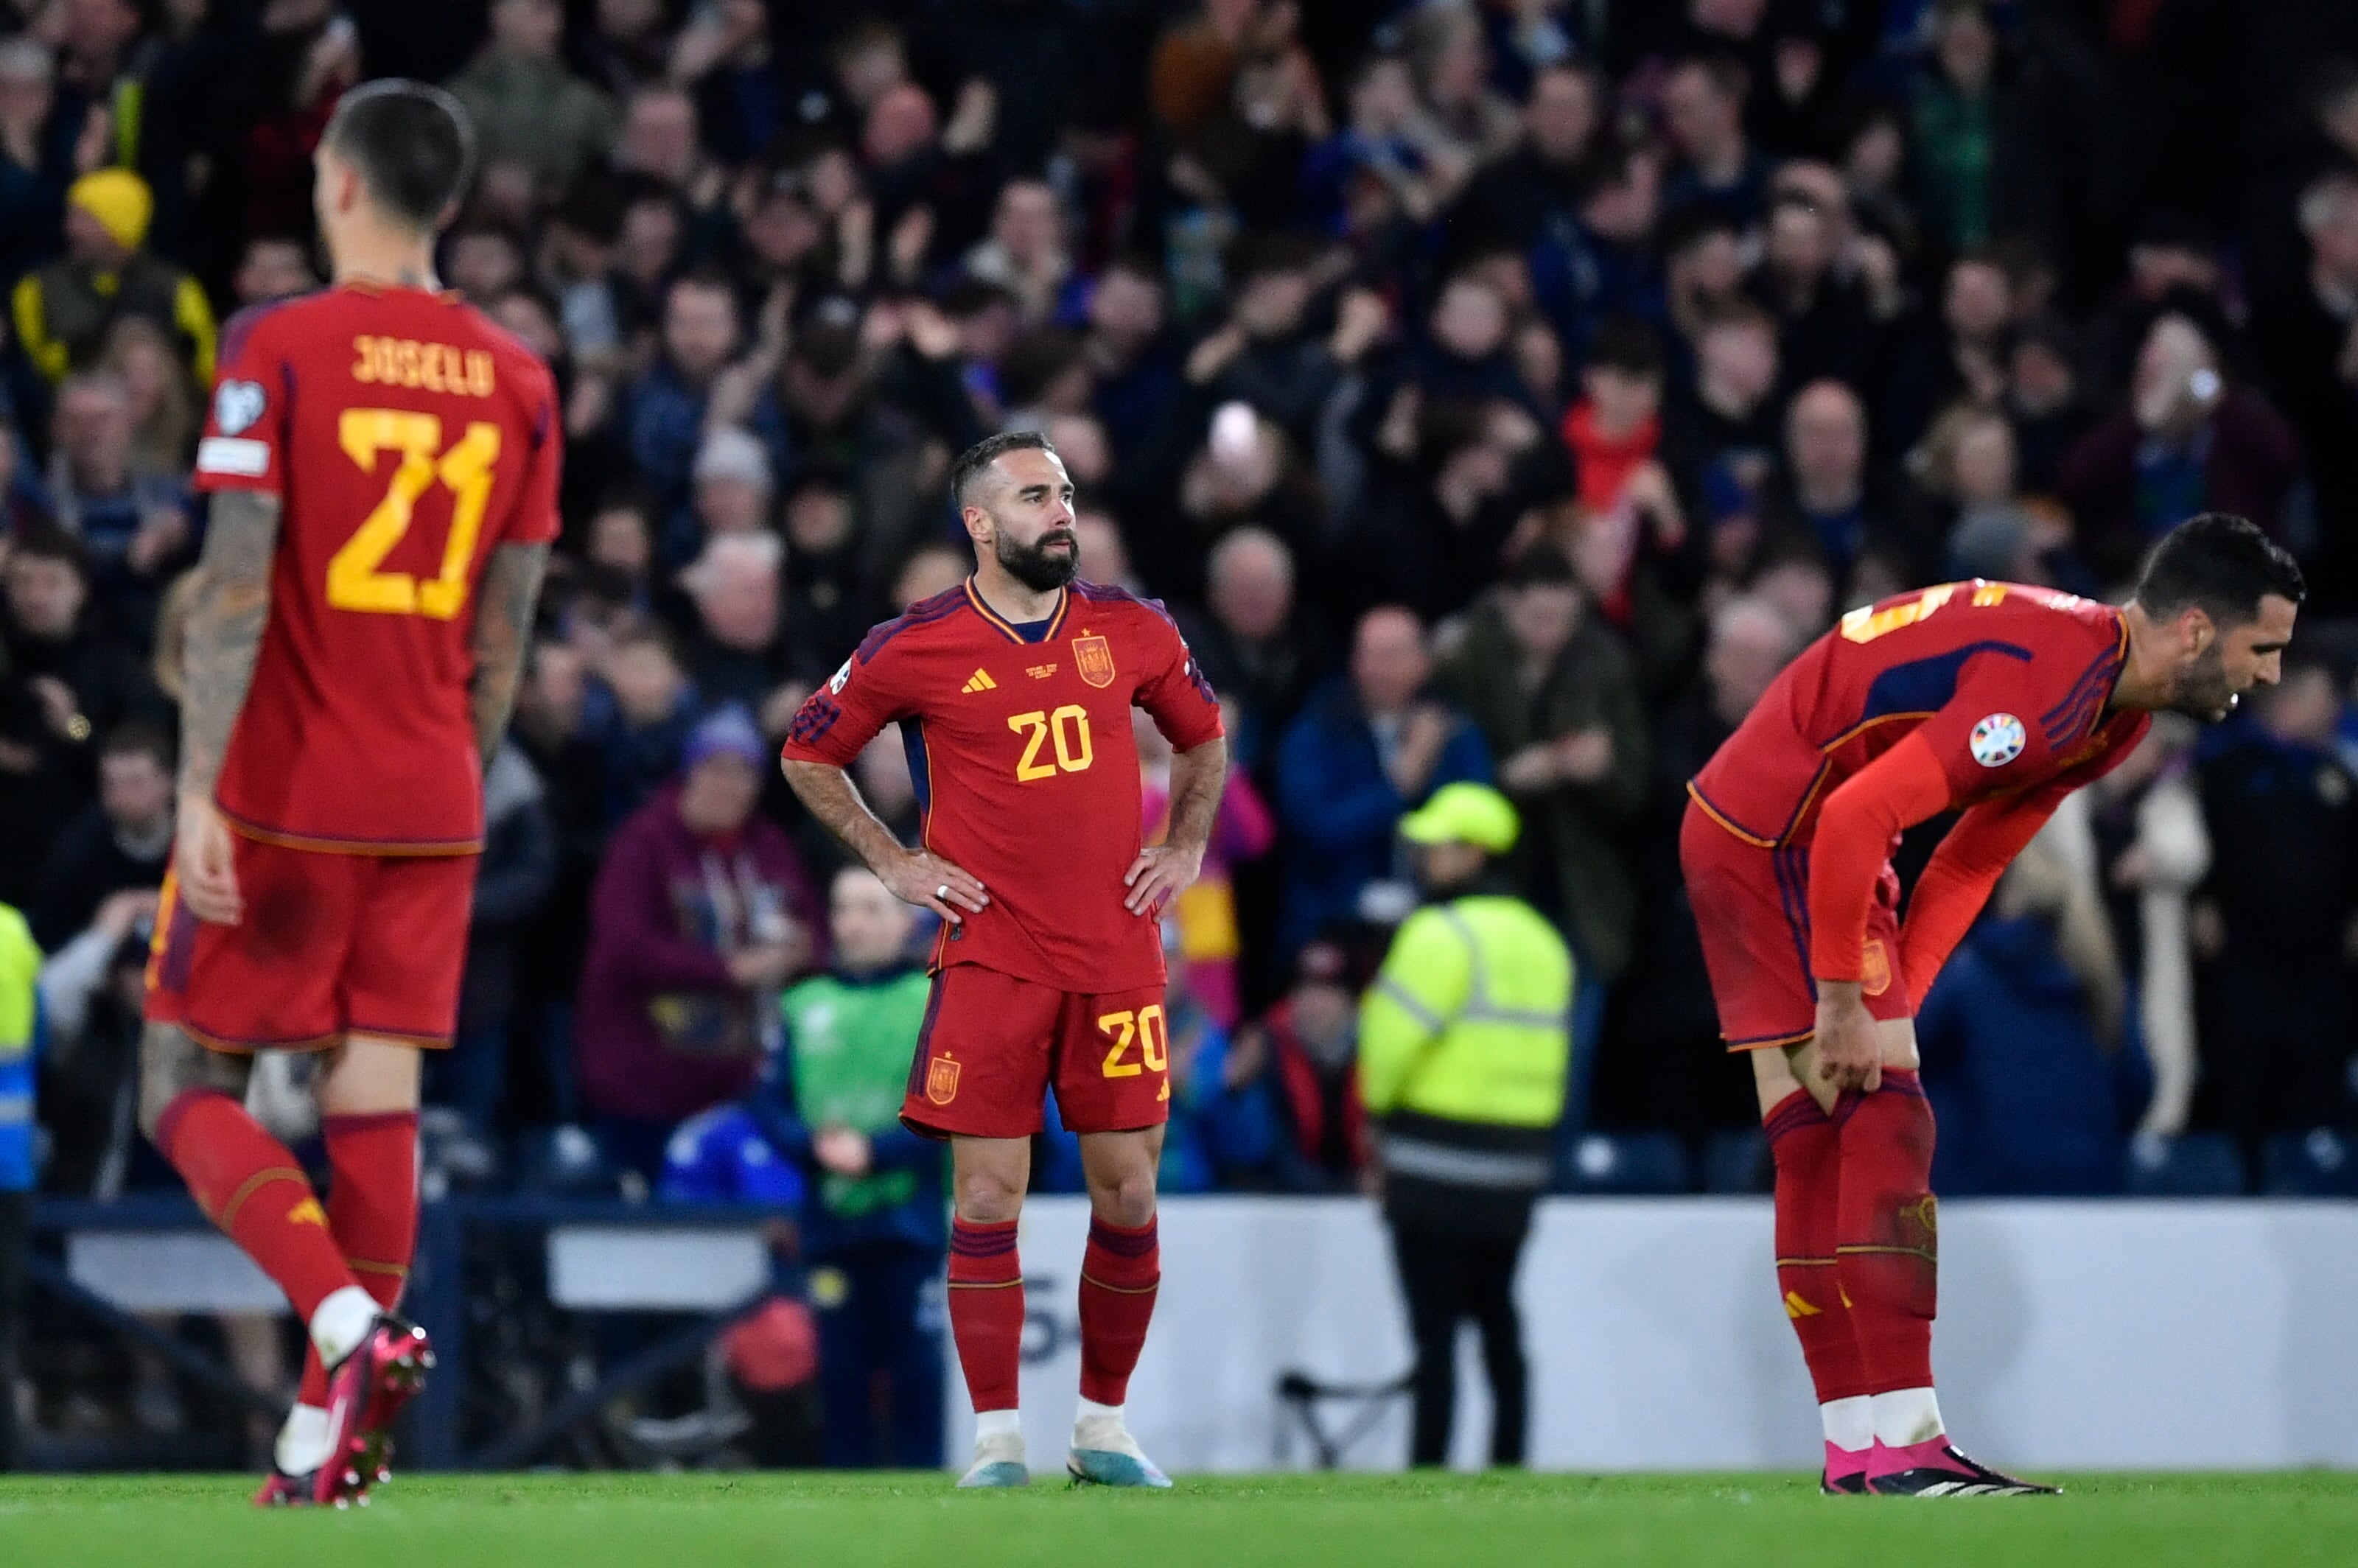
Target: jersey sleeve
1176,696
535,521
2008,724
872,689
243,446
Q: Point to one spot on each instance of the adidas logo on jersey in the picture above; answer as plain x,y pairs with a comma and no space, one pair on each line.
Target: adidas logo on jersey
979,681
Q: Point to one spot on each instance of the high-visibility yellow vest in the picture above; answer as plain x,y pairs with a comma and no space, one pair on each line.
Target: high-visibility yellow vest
1470,1018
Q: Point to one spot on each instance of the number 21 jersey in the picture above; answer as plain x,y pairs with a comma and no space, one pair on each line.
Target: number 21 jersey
406,438
1026,769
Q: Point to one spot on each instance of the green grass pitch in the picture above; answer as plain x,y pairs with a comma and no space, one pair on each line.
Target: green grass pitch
1358,1521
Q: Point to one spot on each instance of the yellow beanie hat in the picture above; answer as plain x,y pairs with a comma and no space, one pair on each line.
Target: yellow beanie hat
119,199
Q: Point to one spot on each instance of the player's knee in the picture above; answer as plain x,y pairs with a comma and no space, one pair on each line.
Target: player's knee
171,1064
1124,1196
989,1196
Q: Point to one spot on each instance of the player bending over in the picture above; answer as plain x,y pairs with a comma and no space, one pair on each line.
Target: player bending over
1014,690
1990,696
383,463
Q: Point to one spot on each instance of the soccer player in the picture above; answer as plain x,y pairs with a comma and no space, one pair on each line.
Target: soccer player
1014,690
1992,698
383,463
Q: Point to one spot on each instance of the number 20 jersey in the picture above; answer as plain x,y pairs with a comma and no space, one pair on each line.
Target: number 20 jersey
1026,769
406,436
2010,685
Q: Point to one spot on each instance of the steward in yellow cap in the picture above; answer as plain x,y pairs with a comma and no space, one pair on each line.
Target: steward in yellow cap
64,309
1464,1043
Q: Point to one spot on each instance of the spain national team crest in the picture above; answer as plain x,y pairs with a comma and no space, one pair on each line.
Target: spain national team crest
1093,657
941,1079
1875,969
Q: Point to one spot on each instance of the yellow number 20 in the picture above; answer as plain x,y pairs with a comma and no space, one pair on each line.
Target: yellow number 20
1067,728
353,580
1146,1026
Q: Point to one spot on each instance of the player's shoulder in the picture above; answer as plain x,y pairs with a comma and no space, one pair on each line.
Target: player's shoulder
1125,610
270,321
916,627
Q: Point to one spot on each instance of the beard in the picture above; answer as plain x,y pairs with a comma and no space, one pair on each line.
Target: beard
2204,691
1035,566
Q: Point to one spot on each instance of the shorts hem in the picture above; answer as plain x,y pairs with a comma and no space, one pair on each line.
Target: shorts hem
229,1046
941,1133
1766,1042
431,848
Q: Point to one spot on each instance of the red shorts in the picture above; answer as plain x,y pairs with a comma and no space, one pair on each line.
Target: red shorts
331,944
992,1045
1752,909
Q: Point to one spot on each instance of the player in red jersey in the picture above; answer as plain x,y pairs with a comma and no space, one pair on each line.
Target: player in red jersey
1988,696
383,463
1015,692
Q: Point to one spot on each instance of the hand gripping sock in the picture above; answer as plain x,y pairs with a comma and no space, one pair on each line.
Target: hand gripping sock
1888,1242
372,1211
1807,1149
987,1312
1120,1271
248,1184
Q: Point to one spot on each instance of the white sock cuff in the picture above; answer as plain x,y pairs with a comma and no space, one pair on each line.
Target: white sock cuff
341,1322
988,1424
1089,1410
1849,1423
303,1441
1906,1416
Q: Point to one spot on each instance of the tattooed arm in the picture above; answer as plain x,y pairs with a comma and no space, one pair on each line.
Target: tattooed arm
504,610
226,616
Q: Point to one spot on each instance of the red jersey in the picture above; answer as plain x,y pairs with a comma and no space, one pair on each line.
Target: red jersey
2008,684
1026,771
406,436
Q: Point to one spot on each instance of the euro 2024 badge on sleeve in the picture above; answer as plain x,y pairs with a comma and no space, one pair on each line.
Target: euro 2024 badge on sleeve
1998,740
236,405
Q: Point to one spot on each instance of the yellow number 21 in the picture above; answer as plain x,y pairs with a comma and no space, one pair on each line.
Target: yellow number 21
353,580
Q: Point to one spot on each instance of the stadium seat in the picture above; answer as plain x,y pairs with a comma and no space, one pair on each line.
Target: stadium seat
2197,1165
1737,1160
1625,1163
2319,1164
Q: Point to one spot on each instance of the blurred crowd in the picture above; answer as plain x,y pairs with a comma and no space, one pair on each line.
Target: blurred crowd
1496,389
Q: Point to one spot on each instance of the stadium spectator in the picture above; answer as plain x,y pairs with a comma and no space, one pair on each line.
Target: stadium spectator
62,309
1703,106
1556,694
1464,1043
637,715
93,990
2274,919
120,843
1543,181
2307,343
663,411
525,105
513,883
701,911
1309,1044
2187,439
132,520
69,679
736,650
2024,1058
20,964
39,137
875,1232
1259,643
1824,494
1365,748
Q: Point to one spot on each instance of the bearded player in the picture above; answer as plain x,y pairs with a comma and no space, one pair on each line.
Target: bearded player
383,463
1992,698
1014,690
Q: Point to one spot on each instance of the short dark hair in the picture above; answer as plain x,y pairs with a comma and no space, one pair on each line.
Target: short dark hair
141,737
48,542
1539,566
990,449
411,144
1626,345
2220,564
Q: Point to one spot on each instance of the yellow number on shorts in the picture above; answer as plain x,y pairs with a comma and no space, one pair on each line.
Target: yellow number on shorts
1147,1027
1067,728
353,580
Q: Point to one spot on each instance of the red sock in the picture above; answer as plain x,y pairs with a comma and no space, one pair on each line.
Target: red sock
987,1312
248,1184
1807,1149
1890,1235
1120,1271
372,1211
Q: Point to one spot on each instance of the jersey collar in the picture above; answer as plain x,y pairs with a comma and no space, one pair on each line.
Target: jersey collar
1055,621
